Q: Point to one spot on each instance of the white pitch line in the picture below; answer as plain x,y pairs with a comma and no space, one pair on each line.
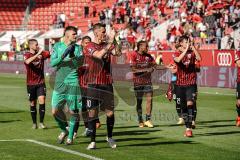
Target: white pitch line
54,147
13,140
217,93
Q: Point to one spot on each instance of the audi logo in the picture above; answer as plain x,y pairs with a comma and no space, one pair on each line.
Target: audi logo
224,59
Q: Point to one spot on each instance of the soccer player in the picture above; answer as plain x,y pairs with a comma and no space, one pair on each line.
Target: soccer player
237,61
82,72
34,63
66,58
186,89
99,79
142,65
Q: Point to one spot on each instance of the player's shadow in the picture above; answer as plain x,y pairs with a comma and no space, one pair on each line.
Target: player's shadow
51,127
150,144
119,127
158,143
218,133
136,139
170,125
11,111
10,121
135,126
215,121
128,139
219,126
132,132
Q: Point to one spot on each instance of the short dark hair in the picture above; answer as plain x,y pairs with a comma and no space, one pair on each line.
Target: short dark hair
32,40
70,28
141,42
86,37
98,25
183,37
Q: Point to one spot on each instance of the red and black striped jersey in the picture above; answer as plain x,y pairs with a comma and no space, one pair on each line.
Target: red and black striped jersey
98,70
141,61
35,70
186,70
82,72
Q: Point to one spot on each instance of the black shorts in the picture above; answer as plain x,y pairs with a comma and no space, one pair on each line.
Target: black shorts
100,96
238,91
141,89
173,83
186,93
34,91
84,98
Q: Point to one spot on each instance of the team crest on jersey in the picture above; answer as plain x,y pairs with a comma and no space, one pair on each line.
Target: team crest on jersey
186,63
189,56
90,50
147,58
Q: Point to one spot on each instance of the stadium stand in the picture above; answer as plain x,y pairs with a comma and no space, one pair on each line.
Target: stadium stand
12,14
198,17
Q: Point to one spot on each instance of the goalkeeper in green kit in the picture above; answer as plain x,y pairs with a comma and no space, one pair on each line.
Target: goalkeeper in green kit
66,57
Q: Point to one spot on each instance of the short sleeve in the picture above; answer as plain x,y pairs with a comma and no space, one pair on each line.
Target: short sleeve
89,49
26,56
175,54
46,54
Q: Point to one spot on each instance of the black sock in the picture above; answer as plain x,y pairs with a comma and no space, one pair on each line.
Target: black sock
86,124
41,112
194,111
85,116
33,111
76,126
185,116
110,125
140,118
179,110
190,115
97,120
148,117
238,110
92,129
139,109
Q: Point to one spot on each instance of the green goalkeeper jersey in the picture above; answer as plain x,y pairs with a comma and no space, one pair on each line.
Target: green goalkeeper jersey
66,79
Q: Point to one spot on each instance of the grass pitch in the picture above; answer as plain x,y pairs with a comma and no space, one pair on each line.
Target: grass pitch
215,137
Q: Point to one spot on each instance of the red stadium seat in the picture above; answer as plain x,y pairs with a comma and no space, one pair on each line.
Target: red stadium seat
43,16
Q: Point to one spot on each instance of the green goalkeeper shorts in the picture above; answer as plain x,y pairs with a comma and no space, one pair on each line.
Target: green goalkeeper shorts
60,99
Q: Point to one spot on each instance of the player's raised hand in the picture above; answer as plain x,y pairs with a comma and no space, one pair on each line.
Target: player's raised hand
69,50
111,35
40,50
188,45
